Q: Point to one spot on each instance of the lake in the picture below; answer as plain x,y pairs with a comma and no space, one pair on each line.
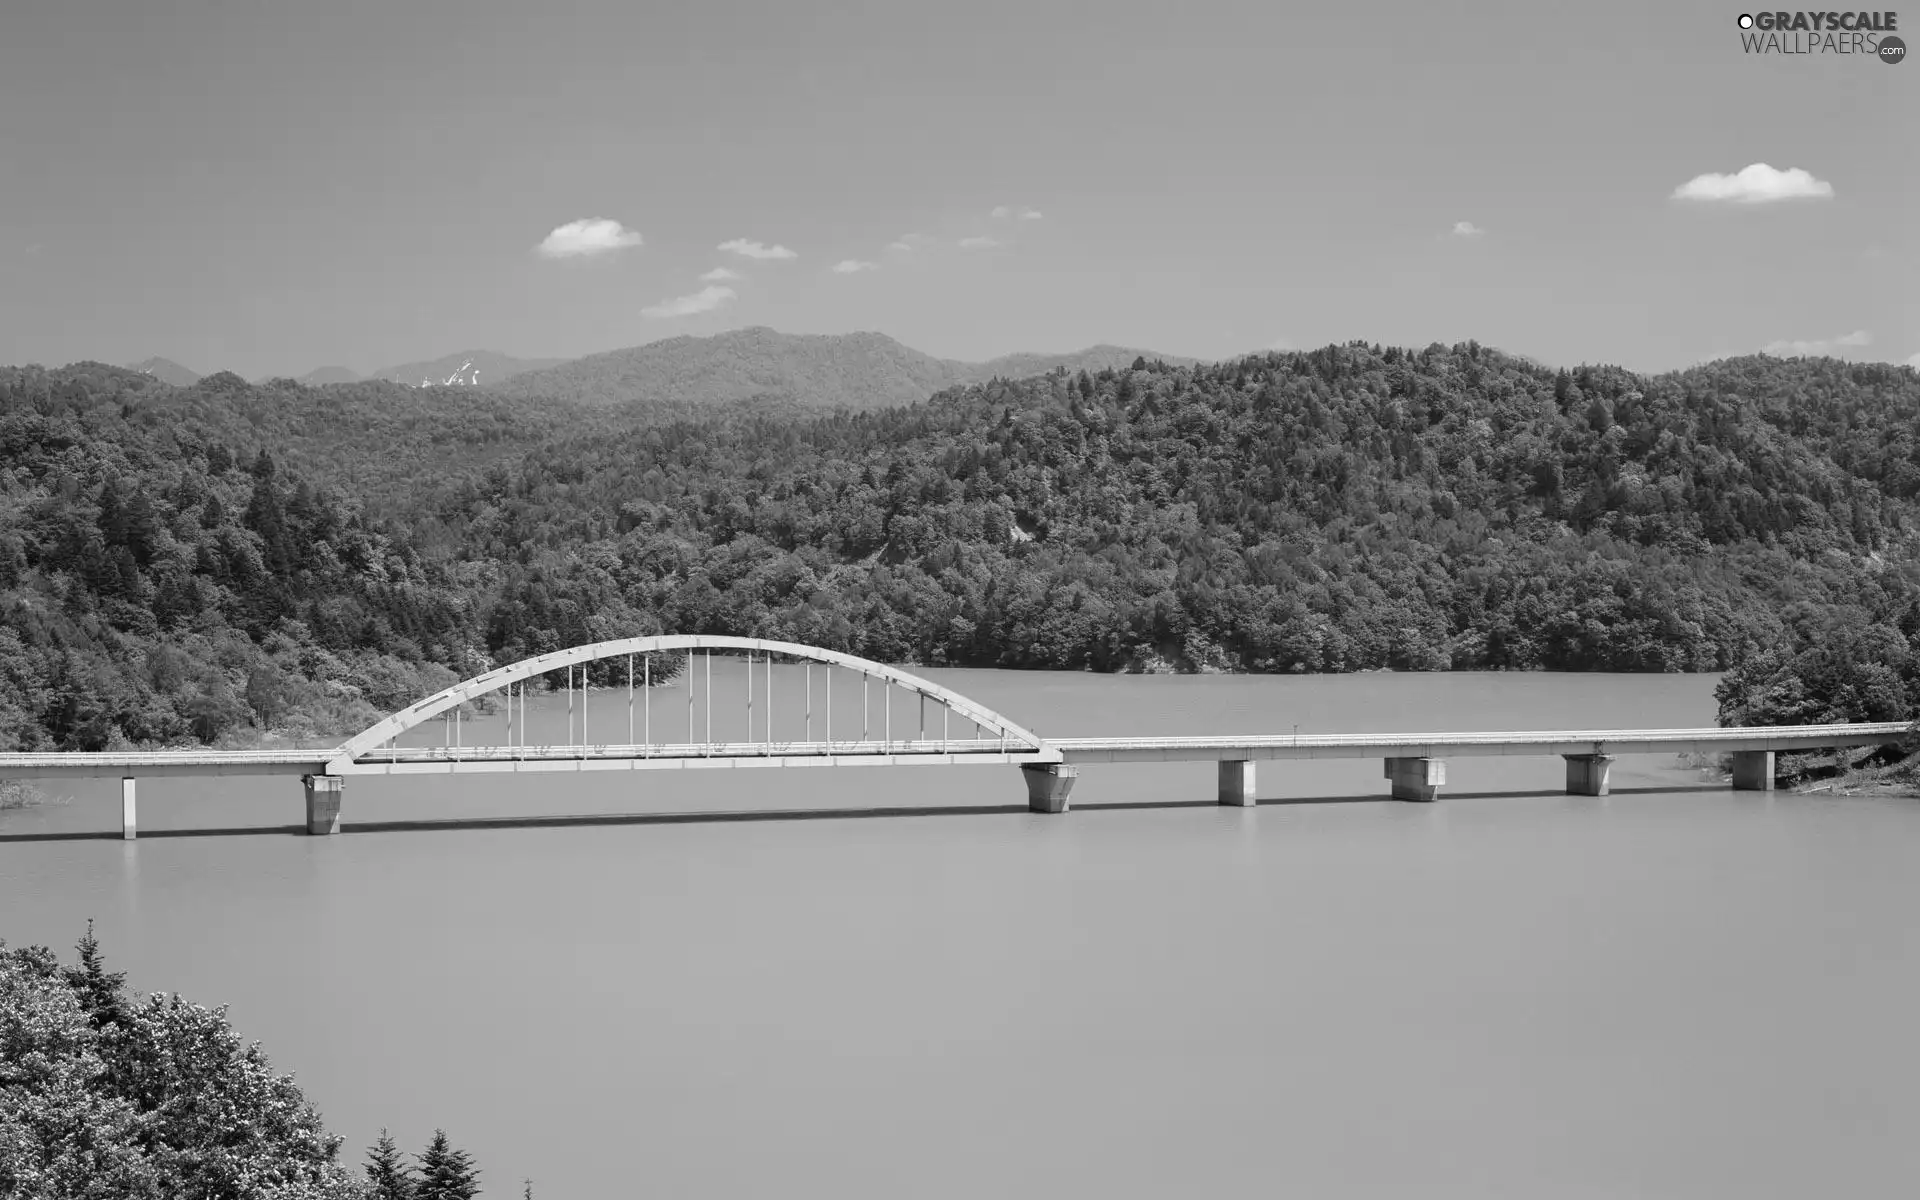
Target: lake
1674,990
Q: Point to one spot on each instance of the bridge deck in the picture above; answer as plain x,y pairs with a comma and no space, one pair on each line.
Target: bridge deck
1464,745
900,752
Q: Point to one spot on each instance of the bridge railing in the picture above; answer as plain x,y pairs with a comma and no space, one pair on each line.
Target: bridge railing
931,747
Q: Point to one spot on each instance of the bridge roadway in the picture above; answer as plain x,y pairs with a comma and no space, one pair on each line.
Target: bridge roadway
1415,762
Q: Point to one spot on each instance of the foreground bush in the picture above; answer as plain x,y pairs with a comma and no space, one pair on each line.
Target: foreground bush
106,1096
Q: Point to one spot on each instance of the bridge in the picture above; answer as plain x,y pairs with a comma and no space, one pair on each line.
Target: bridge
962,733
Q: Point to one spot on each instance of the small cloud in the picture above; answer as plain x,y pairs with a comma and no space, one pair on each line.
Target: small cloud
1466,229
1029,214
850,265
751,249
1002,212
705,300
977,243
1819,346
1914,362
590,236
1756,184
720,275
33,247
907,241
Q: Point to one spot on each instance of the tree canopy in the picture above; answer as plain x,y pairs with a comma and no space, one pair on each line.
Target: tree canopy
106,1096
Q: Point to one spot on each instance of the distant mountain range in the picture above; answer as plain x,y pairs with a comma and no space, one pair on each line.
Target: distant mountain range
757,364
325,375
166,371
489,366
461,367
857,370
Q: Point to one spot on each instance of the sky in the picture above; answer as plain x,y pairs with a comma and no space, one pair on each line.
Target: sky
268,187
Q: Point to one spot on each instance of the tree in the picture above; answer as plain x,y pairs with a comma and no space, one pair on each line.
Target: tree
387,1177
446,1173
100,992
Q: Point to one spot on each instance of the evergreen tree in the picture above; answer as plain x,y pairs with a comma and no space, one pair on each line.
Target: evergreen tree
387,1177
446,1173
101,992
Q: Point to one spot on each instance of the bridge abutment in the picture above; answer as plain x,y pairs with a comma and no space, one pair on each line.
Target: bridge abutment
1589,774
323,803
129,821
1236,783
1048,785
1753,770
1416,779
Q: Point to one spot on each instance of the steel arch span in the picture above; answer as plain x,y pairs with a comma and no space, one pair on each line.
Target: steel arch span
1019,739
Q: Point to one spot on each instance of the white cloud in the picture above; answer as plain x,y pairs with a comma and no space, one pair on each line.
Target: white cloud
588,236
1466,229
1002,212
720,275
750,249
977,243
705,300
907,241
1029,214
850,265
1756,184
1914,362
1819,346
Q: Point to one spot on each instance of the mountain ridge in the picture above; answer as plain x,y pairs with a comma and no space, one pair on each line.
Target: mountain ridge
166,371
860,370
322,376
489,365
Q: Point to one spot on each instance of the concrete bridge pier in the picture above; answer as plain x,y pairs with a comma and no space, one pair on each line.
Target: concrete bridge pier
323,803
1417,779
129,824
1236,783
1588,774
1048,785
1753,770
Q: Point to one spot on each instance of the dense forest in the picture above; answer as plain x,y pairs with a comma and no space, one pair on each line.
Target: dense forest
108,1095
197,564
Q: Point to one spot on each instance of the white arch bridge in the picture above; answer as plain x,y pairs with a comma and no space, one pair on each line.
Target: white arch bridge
833,709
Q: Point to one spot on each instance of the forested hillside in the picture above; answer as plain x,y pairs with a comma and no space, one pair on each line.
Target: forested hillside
374,440
155,586
1346,509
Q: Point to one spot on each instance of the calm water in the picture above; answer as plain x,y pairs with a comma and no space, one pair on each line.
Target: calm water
1670,991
